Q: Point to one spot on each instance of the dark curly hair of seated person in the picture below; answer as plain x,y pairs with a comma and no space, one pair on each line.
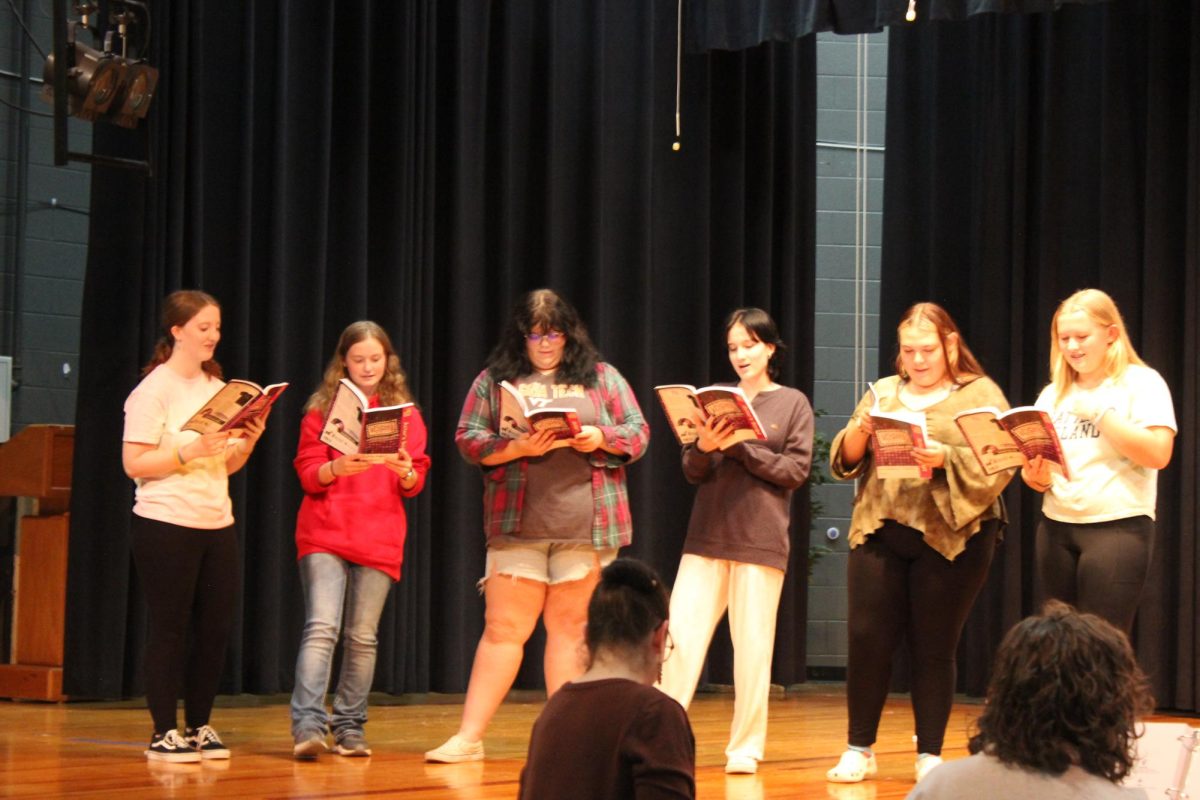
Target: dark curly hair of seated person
1066,690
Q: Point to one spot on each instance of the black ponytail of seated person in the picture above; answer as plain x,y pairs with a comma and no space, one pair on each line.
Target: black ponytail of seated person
628,604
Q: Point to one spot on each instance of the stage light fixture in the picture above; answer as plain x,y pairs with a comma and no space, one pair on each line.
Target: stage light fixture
102,84
134,94
93,81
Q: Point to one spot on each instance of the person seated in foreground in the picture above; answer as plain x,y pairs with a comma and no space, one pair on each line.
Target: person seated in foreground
1060,721
609,733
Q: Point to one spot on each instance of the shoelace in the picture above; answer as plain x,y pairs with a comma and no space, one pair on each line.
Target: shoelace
205,735
173,741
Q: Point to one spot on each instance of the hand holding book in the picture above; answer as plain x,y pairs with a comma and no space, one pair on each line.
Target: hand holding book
401,464
351,464
589,439
532,444
204,446
711,433
1038,473
930,457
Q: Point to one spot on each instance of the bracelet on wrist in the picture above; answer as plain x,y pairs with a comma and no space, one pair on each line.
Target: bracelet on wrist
332,469
179,456
1100,416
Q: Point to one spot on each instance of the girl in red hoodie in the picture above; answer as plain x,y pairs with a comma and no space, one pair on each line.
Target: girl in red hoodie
349,542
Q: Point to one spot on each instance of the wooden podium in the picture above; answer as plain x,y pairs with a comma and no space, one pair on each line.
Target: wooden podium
37,463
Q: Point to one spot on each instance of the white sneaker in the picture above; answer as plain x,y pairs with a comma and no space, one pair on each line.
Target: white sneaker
924,765
852,767
741,765
309,746
455,750
204,740
172,747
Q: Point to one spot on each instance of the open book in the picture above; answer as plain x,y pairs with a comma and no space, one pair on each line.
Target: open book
517,417
896,434
1004,440
683,404
351,426
234,404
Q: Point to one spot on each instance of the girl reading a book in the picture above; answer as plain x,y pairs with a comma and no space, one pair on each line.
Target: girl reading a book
609,733
184,544
1114,417
736,552
555,510
920,547
350,543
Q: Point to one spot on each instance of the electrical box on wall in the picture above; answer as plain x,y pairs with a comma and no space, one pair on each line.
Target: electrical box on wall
5,396
6,372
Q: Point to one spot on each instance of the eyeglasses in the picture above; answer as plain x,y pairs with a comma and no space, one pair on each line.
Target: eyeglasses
668,647
553,337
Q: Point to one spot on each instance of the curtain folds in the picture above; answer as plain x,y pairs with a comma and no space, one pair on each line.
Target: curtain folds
421,164
738,24
1028,157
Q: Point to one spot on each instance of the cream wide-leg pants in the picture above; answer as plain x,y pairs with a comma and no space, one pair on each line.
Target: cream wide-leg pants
704,589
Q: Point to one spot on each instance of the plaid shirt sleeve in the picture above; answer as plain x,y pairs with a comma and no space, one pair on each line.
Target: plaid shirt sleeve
621,420
476,434
477,438
626,430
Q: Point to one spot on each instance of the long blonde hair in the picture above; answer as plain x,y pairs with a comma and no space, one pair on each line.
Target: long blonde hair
393,386
961,364
1101,310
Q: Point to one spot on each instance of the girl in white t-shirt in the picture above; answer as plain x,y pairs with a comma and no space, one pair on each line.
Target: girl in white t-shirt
184,544
1114,417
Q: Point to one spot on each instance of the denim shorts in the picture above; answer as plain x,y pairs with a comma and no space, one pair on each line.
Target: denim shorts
545,562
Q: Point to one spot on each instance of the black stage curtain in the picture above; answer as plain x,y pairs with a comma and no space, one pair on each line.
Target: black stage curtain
738,24
1028,157
422,164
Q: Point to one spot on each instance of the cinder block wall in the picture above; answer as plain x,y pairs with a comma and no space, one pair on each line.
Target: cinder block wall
835,392
41,272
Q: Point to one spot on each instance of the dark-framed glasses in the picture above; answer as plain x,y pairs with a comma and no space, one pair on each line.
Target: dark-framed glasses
551,337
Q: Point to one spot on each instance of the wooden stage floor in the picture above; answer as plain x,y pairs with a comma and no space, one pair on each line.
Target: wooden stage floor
94,750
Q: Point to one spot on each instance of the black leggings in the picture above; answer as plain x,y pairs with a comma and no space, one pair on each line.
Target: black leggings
899,585
1099,567
190,579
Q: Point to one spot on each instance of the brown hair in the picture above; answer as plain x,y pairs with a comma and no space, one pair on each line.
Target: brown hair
1065,690
178,308
393,386
1101,310
961,364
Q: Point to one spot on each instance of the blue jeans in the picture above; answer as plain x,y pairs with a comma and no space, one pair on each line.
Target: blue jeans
334,587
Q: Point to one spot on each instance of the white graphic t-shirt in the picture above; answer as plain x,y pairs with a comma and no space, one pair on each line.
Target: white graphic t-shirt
1104,484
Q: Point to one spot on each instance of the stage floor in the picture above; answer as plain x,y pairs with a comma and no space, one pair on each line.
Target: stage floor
94,750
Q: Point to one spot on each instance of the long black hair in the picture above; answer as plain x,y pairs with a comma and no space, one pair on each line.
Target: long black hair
545,309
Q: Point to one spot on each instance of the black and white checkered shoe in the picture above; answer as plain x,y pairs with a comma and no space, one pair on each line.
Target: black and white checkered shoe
170,746
206,742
